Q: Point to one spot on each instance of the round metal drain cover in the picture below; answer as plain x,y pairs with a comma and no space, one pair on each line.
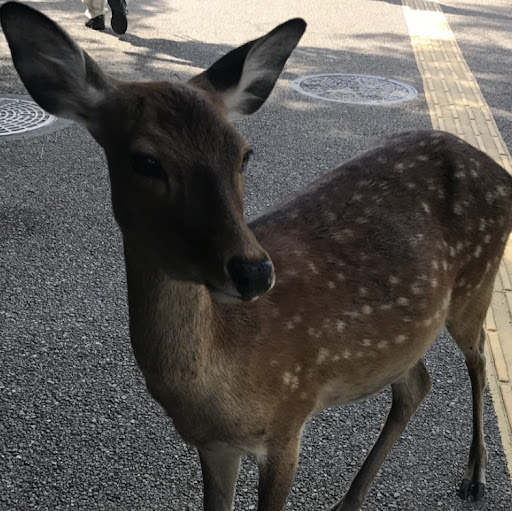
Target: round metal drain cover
357,89
21,117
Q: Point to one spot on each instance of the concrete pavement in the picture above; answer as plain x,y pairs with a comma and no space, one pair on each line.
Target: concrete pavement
77,428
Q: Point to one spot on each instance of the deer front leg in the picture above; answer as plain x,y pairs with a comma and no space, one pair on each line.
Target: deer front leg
277,471
220,467
408,393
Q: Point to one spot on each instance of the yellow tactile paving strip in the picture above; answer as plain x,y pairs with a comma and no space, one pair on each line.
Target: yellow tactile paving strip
457,105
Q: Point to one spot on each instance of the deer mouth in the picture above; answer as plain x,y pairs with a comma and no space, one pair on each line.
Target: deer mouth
222,296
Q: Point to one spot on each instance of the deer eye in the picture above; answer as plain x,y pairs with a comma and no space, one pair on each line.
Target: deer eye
245,160
147,166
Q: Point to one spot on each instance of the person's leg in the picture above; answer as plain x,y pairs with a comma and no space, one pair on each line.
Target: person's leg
96,13
119,20
95,8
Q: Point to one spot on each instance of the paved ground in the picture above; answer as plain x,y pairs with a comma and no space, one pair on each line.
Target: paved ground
77,428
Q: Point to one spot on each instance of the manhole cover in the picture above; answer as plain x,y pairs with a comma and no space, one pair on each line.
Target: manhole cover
358,89
20,117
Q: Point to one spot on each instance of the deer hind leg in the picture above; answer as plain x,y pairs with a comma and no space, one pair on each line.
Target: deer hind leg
466,330
408,393
220,466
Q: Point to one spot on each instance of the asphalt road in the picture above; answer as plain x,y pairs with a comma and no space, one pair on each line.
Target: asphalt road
77,428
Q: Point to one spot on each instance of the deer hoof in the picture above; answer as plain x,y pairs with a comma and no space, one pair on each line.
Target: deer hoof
469,489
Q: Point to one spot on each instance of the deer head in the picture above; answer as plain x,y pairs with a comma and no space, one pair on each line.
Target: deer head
175,162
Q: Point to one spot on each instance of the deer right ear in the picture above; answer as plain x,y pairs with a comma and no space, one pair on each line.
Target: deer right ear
60,77
244,78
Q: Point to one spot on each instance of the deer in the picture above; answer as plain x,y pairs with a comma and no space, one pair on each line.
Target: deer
244,331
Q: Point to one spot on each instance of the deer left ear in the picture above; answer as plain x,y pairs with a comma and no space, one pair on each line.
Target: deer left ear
244,78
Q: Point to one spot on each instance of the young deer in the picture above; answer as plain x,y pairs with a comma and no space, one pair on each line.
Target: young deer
372,260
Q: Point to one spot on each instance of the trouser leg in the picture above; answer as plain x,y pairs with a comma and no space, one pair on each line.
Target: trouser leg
95,8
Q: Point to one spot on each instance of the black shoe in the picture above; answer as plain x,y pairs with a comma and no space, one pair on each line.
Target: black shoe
119,20
97,23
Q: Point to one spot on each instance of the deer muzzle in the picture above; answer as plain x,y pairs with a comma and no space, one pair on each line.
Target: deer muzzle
251,279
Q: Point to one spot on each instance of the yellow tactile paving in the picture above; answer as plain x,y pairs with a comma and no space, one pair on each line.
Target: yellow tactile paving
457,105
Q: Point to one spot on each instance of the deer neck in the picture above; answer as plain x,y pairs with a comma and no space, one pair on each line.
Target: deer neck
170,322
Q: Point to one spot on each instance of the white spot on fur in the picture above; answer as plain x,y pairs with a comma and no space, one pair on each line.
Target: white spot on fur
331,285
346,354
393,280
400,339
402,301
476,163
416,288
367,342
273,363
386,306
340,326
290,380
313,332
478,251
487,239
367,309
425,207
322,356
501,191
303,396
382,344
363,291
313,268
422,157
411,186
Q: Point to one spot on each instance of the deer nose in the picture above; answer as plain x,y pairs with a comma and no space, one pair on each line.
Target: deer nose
251,279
